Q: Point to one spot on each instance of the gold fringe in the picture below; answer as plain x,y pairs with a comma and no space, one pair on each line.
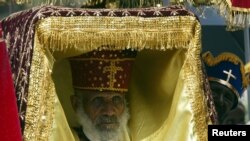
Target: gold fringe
237,18
193,77
89,33
226,56
41,99
74,34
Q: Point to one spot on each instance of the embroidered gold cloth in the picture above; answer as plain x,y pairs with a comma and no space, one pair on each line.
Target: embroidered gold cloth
167,89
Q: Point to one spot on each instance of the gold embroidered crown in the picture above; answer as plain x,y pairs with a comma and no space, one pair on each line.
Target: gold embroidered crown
103,70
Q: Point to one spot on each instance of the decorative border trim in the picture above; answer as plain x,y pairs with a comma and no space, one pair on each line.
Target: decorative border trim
62,34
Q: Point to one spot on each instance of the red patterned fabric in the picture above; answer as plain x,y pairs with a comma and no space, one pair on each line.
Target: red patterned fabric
241,3
103,70
10,129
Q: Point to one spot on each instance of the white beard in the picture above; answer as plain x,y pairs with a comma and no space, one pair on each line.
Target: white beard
93,134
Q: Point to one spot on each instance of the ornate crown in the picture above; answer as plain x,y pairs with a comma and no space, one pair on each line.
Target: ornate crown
103,70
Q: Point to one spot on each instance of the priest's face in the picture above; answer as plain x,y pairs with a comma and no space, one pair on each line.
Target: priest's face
102,113
224,99
104,108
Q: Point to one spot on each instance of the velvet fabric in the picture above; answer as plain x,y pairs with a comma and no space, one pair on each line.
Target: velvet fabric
10,126
241,3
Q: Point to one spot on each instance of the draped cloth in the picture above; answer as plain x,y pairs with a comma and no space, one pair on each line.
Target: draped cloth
10,126
167,92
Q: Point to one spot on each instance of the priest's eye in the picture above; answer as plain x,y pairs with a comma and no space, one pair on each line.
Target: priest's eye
97,101
117,100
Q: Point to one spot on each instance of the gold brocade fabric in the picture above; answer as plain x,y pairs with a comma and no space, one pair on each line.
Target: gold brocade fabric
42,99
166,96
65,34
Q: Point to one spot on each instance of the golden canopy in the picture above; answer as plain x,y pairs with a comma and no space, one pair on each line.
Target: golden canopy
167,97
